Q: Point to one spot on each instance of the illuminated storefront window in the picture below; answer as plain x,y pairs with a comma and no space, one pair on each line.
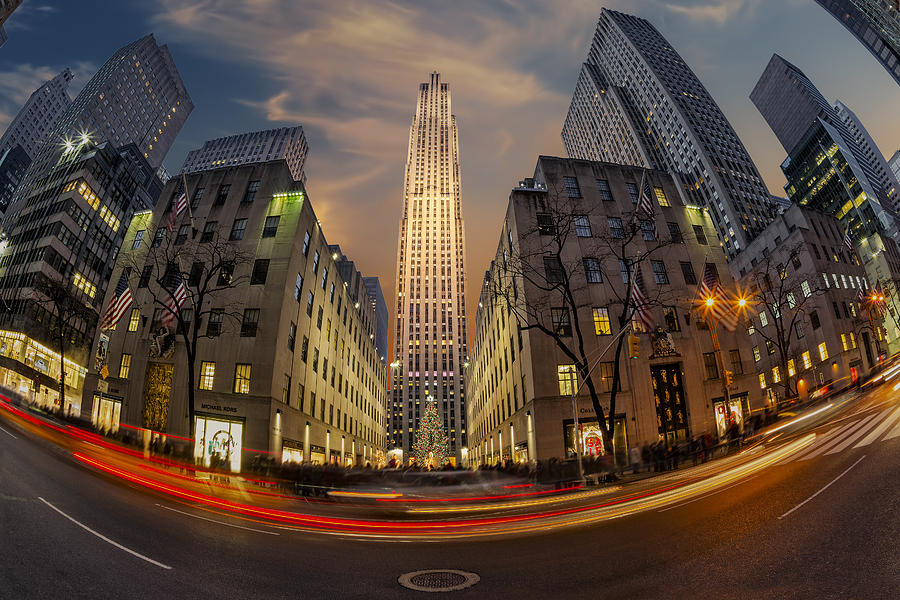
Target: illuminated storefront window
106,412
217,442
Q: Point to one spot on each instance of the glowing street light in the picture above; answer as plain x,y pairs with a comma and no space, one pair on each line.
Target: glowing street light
710,301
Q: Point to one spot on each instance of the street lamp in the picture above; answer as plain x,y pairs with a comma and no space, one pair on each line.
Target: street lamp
712,322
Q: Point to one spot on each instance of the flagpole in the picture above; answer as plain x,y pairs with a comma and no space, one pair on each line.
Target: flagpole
187,198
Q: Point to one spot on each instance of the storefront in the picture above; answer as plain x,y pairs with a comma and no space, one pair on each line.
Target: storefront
291,451
106,411
316,454
740,412
591,440
521,452
217,442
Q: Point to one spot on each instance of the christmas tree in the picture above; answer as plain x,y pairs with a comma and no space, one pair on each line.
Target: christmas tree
431,447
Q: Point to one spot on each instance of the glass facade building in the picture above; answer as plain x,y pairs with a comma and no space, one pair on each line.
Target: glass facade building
875,23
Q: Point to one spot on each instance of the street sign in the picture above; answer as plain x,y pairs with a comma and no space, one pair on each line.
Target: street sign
104,372
103,387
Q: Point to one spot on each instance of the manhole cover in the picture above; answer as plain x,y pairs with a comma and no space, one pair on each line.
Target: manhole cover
438,580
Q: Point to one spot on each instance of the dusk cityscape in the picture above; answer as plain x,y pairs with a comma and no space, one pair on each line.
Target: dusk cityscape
486,298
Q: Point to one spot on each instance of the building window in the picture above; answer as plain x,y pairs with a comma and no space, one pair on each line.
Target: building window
687,270
762,381
158,237
546,225
207,375
209,230
305,243
770,347
241,378
134,319
315,360
712,367
198,195
700,235
670,315
271,226
138,238
568,380
661,196
605,192
304,349
737,367
324,276
316,262
807,362
792,369
214,325
125,366
562,324
607,376
615,228
250,194
602,325
286,389
553,270
292,336
648,230
660,276
582,226
823,351
756,355
309,303
625,270
222,195
260,271
183,232
145,276
195,274
632,191
763,318
225,273
237,229
319,320
572,189
814,319
592,270
675,232
250,322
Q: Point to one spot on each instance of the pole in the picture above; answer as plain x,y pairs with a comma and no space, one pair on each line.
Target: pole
721,364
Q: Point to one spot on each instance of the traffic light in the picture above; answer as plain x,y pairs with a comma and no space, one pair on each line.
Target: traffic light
729,377
634,346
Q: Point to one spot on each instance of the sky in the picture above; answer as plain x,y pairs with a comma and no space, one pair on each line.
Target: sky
348,71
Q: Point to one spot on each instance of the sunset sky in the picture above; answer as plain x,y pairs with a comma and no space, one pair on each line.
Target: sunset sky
349,71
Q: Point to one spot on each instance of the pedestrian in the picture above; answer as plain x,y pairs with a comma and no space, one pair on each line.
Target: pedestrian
635,459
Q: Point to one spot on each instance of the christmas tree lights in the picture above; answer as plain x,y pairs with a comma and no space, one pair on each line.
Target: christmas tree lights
431,447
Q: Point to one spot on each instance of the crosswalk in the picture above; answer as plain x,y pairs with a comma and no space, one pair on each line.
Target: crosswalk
883,425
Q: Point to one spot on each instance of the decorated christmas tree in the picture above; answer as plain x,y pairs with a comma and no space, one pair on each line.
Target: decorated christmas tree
431,447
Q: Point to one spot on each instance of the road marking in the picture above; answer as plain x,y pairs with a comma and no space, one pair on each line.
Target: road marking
894,433
856,435
824,488
219,522
844,434
8,433
821,438
704,496
106,539
880,429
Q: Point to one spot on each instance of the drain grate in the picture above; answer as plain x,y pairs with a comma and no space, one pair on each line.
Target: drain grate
438,580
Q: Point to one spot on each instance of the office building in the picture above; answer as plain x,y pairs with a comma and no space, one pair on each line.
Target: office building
871,155
285,363
875,23
831,341
376,297
894,163
14,162
288,143
430,334
645,104
6,9
68,234
519,383
29,128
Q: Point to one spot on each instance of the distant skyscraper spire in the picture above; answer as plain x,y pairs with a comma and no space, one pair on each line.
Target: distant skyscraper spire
431,344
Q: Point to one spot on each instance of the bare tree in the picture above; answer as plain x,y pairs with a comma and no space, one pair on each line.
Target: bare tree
549,260
68,315
781,301
206,267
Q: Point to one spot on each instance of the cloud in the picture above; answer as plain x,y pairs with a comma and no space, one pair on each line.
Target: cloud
26,14
718,11
17,84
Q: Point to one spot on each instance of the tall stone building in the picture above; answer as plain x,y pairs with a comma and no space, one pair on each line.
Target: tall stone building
520,383
431,345
288,143
30,126
638,102
875,23
285,363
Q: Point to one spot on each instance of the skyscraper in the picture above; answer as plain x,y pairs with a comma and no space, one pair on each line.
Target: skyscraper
431,345
645,102
288,143
871,153
6,9
875,23
37,116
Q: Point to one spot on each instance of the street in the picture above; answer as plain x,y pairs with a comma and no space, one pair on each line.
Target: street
821,522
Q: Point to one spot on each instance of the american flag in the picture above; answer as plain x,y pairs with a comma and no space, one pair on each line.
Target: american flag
177,295
847,241
642,316
178,206
646,206
721,308
118,304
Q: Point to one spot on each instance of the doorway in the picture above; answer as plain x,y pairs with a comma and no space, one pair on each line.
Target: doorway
671,405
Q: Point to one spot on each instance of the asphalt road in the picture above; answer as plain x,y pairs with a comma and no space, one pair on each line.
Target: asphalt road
823,524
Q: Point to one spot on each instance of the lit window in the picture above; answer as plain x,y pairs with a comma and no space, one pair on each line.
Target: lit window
134,319
807,363
208,375
601,321
138,238
844,343
762,381
82,283
241,378
756,354
776,374
125,366
804,287
109,218
791,368
852,340
763,319
568,381
661,196
823,351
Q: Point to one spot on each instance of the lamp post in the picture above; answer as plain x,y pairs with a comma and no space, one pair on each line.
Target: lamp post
712,322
